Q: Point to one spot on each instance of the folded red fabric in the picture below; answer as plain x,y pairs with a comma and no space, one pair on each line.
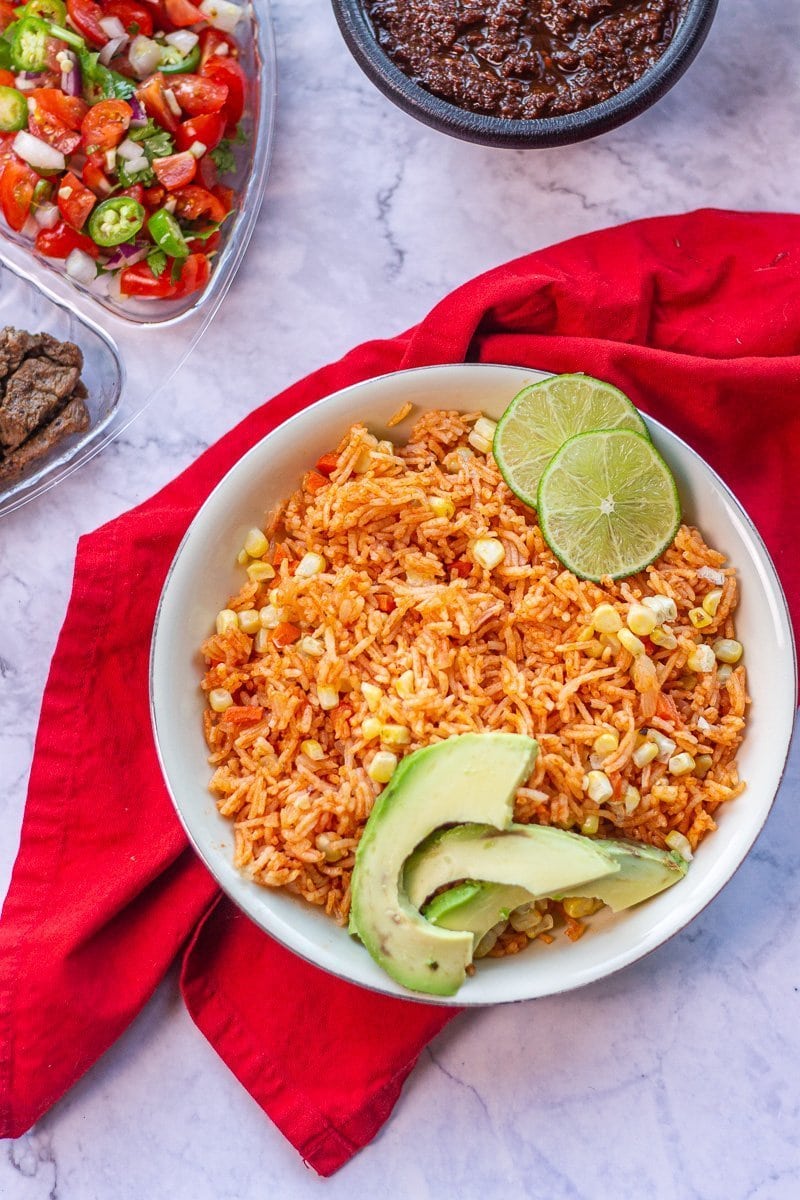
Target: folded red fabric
697,318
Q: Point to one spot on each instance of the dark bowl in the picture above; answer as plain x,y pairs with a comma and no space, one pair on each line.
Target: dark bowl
544,131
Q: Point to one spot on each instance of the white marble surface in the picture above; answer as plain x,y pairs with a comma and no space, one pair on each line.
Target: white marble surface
677,1078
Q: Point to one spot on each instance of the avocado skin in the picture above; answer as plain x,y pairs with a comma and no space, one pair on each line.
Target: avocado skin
465,779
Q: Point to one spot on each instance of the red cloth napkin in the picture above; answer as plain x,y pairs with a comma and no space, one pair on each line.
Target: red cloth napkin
697,318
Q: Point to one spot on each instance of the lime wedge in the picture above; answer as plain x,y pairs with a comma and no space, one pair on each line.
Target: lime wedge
542,416
608,504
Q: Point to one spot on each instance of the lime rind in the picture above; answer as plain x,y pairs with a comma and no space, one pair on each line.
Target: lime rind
544,415
608,504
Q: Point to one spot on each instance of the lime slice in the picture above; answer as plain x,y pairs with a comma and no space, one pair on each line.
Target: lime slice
541,418
608,504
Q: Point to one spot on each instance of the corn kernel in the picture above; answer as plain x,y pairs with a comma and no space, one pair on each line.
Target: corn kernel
699,618
363,462
249,621
395,735
702,765
591,824
256,544
679,842
456,460
220,699
310,564
371,728
260,572
644,754
606,619
665,746
325,844
262,641
243,558
681,764
711,601
592,648
701,659
630,642
728,650
724,673
664,607
664,637
606,743
479,442
488,553
271,616
580,906
227,620
373,696
485,427
328,696
405,685
598,787
641,620
442,506
311,646
381,769
312,749
631,798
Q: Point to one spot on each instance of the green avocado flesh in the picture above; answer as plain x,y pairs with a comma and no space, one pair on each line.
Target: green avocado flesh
643,871
470,778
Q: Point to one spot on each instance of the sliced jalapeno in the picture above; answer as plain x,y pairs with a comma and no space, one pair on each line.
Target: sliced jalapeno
116,220
167,234
13,110
43,193
174,63
29,45
45,10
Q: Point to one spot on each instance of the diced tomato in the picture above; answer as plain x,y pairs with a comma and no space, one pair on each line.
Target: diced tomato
313,482
75,200
207,244
182,13
176,170
6,148
131,14
228,72
135,191
62,240
286,634
242,714
667,709
461,568
207,172
95,178
197,95
106,124
71,110
151,94
16,191
212,42
195,274
154,197
209,128
225,195
328,464
7,78
51,129
86,16
139,280
386,603
7,17
195,202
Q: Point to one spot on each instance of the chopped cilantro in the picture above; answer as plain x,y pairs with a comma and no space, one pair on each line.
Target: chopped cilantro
157,262
128,178
223,158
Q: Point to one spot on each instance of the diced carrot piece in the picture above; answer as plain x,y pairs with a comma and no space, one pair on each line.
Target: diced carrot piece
286,634
386,603
314,482
242,714
547,938
280,554
328,464
667,709
575,929
460,567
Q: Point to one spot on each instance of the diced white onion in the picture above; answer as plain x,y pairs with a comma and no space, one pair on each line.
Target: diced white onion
130,150
711,575
183,40
37,153
170,204
144,56
112,27
30,228
110,159
110,49
172,102
80,266
221,14
24,85
47,216
197,149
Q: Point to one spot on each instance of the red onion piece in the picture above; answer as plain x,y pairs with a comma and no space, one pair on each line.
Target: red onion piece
126,255
71,79
139,118
110,49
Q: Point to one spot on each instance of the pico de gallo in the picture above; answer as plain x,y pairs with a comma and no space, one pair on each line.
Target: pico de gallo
118,120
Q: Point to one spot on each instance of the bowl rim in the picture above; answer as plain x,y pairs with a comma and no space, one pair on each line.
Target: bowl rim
538,133
626,958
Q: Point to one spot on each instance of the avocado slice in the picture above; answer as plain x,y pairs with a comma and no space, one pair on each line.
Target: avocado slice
644,871
468,778
538,858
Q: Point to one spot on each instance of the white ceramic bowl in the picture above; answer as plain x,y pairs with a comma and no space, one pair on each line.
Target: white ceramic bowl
204,573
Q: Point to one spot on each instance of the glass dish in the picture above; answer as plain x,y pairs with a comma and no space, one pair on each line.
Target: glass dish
146,340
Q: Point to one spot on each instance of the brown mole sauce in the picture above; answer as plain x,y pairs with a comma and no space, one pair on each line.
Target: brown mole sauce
508,58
